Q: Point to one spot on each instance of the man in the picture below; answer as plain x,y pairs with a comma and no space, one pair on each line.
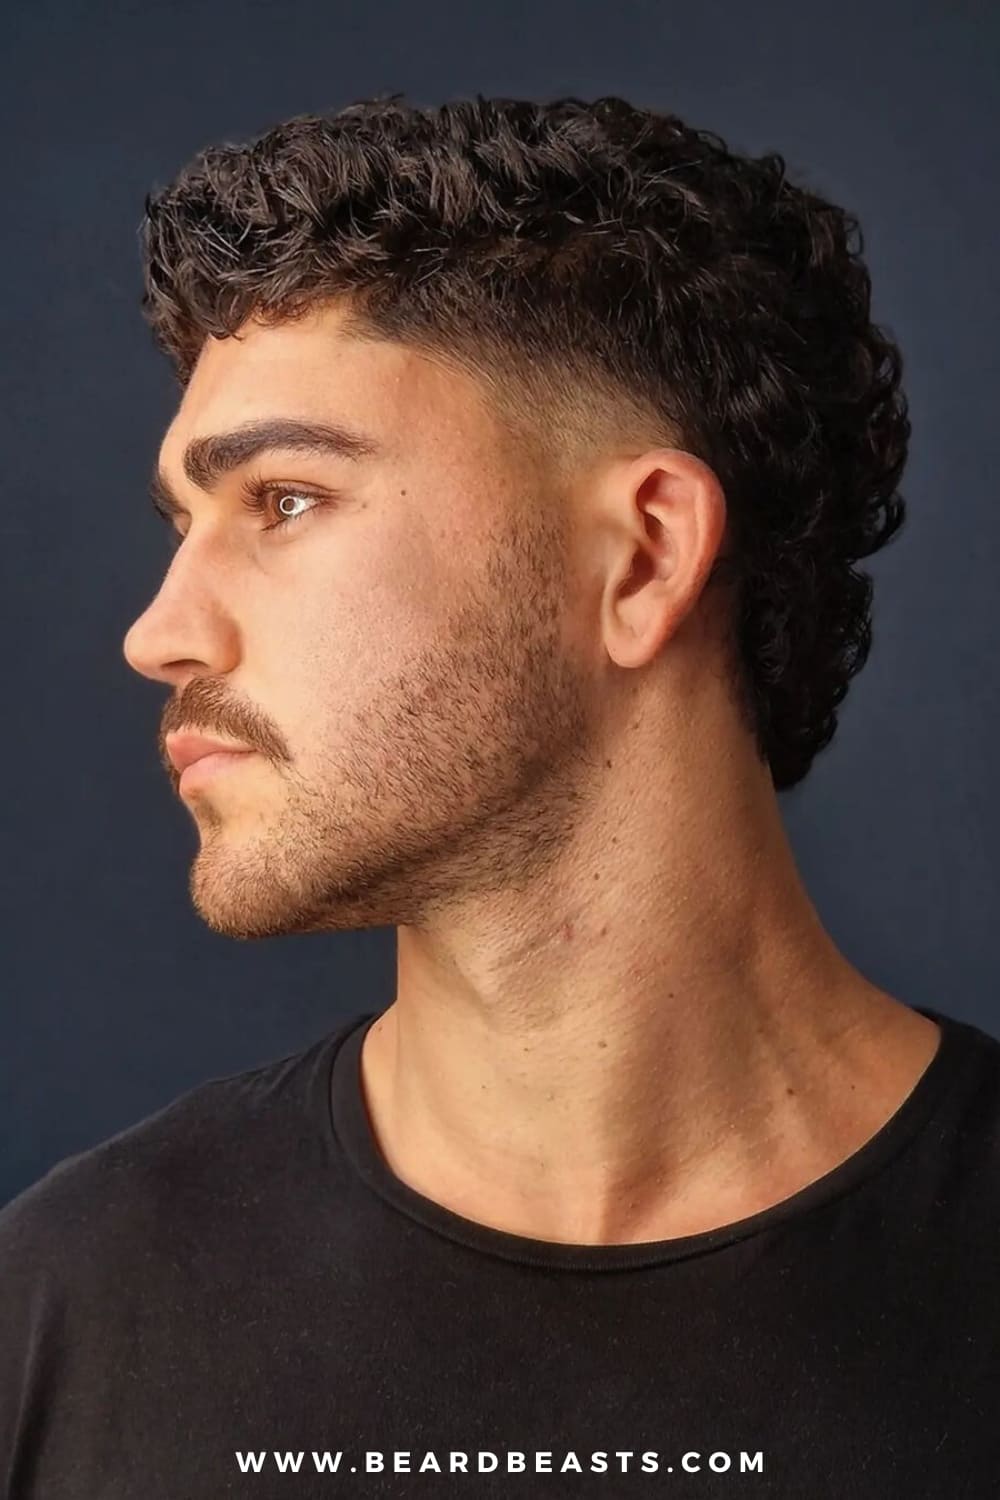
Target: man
523,458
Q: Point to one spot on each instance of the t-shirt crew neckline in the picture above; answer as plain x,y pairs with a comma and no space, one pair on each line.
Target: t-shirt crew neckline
342,1110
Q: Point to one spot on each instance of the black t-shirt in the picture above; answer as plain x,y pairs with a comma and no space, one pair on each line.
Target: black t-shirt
236,1296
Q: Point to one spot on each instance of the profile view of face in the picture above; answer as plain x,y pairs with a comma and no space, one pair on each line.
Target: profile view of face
390,634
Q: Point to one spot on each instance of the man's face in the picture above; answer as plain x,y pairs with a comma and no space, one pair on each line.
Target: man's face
397,651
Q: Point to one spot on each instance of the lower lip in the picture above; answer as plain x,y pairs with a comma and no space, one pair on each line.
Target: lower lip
210,765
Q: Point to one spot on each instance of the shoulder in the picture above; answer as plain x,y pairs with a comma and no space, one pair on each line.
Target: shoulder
973,1082
97,1193
160,1179
945,1180
976,1101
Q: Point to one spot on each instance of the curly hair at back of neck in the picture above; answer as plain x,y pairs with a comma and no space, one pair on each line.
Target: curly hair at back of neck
605,272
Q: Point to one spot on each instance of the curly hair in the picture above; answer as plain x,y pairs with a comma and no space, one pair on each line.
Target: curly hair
604,271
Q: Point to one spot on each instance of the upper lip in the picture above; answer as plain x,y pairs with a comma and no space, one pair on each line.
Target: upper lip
185,749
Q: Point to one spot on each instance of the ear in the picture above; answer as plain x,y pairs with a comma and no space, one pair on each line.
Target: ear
663,518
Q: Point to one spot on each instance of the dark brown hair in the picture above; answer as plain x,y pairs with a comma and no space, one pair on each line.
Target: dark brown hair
607,273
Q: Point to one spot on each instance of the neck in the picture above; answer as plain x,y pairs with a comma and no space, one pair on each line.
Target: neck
652,1045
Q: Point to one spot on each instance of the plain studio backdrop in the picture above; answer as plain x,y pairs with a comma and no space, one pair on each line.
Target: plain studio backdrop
116,997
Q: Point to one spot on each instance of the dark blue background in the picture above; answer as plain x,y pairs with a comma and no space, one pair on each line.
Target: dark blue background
115,997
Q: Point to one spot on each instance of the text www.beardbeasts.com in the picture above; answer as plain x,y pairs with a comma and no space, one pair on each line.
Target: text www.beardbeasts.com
402,1461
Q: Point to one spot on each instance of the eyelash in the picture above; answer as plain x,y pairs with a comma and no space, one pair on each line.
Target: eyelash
254,497
256,493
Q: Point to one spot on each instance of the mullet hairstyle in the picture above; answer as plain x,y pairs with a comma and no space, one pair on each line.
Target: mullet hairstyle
609,275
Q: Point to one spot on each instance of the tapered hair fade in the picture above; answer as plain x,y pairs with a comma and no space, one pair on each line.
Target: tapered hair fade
609,274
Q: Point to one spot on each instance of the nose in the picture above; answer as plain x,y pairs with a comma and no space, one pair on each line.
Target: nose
186,627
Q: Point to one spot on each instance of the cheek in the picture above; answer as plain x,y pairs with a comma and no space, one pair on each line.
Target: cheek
356,614
406,577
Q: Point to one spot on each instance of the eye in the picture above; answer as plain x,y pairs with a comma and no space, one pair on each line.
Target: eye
264,497
258,496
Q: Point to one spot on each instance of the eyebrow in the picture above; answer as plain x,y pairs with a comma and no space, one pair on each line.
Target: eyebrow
207,459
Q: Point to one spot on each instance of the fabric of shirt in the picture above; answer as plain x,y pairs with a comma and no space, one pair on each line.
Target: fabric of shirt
237,1296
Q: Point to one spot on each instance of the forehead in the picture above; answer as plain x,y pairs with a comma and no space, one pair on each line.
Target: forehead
312,369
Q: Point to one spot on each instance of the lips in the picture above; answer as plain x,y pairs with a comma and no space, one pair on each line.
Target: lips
184,749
